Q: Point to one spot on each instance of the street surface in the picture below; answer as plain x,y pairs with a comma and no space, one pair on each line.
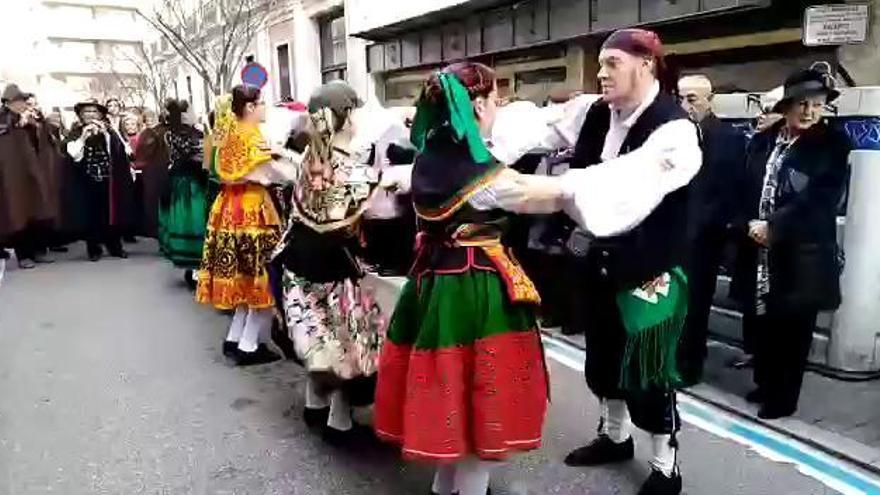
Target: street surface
112,382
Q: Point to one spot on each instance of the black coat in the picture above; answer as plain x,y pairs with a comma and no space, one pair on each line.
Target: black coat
804,258
714,192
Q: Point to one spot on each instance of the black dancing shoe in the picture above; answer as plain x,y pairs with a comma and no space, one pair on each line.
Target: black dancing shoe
119,253
230,349
316,418
660,484
601,451
43,259
756,396
261,356
26,264
773,411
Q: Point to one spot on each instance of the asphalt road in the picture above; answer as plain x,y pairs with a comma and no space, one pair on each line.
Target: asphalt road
112,382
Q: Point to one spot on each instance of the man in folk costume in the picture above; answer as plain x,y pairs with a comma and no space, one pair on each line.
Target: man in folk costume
29,200
634,156
101,159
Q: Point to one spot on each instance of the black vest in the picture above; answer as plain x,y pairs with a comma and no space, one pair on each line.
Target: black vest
660,241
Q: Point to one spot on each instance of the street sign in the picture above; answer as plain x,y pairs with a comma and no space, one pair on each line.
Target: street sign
836,24
254,74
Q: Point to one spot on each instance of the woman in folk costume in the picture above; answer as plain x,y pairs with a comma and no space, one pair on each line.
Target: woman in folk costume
183,210
462,379
243,228
335,325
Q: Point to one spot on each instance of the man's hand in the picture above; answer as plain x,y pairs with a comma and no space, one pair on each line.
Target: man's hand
759,231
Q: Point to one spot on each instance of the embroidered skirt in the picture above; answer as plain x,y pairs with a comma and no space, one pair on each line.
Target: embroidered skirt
337,328
462,371
183,218
243,229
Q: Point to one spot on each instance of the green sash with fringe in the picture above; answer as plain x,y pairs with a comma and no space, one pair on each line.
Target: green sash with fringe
654,317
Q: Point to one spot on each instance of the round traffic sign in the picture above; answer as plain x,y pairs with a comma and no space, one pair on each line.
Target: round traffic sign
254,74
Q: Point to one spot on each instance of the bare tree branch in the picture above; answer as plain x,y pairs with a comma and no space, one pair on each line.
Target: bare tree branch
226,30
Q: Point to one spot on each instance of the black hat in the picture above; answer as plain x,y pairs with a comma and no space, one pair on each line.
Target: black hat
14,93
91,102
805,83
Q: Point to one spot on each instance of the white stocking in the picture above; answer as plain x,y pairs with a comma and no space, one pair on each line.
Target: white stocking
472,476
340,411
237,326
618,425
444,480
313,400
664,454
259,321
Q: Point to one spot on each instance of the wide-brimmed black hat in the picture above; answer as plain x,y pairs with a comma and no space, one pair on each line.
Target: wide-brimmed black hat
91,102
805,83
14,93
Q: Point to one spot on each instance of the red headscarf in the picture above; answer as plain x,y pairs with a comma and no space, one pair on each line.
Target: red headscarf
644,43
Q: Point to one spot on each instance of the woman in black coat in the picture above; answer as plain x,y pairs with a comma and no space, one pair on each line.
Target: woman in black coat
789,266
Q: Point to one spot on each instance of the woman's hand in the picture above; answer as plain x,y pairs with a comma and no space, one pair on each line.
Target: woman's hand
759,231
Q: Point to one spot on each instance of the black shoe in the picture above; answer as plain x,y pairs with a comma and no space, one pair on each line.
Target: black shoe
190,279
755,396
93,257
43,259
26,264
742,363
316,418
660,484
119,253
772,411
230,349
601,451
261,356
59,249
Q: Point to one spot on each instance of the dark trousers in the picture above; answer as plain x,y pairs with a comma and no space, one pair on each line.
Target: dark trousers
783,341
31,241
550,275
707,252
98,211
651,410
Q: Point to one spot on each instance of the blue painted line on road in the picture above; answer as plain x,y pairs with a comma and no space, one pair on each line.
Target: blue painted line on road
828,470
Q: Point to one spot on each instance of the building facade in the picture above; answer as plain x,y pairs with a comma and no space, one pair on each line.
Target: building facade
81,49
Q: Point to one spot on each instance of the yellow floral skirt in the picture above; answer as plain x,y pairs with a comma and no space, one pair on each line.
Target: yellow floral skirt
243,230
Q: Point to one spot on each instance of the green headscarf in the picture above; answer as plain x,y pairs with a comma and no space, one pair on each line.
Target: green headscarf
429,117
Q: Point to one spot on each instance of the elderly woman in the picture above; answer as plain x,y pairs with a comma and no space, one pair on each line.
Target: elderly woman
789,269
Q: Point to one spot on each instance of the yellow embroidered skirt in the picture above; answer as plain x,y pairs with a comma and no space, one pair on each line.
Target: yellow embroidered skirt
243,230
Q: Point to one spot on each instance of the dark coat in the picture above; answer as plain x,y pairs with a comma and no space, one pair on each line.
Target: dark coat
122,193
29,168
151,158
714,191
804,256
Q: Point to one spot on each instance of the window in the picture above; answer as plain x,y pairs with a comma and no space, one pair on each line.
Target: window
284,89
333,51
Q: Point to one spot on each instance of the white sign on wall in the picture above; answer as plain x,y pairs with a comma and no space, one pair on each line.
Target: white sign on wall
836,24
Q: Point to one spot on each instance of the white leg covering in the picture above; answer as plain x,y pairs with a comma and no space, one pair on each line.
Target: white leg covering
258,322
664,454
444,480
313,400
472,476
618,425
340,411
237,326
